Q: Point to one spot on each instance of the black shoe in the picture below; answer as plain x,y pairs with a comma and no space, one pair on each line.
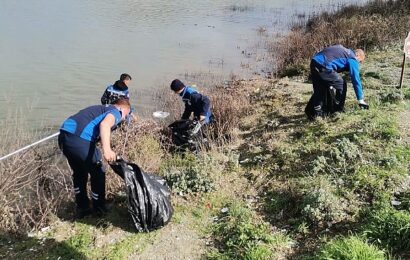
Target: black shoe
82,212
102,210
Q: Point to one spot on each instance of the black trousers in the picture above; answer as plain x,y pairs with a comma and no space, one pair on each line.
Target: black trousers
84,158
329,91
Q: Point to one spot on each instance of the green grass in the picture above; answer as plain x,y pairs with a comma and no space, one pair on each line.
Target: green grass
240,235
390,229
350,248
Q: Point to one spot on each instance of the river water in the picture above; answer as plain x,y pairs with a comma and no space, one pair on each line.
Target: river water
58,56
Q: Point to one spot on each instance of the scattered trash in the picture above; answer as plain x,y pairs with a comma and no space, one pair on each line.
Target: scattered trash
44,229
160,114
224,210
395,203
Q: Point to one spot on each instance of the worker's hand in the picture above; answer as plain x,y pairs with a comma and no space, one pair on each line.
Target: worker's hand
202,118
363,105
110,156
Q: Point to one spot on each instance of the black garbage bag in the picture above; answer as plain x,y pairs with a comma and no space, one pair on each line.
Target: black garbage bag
149,199
188,134
333,102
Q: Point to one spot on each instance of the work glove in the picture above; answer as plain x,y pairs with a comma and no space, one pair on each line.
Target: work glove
363,105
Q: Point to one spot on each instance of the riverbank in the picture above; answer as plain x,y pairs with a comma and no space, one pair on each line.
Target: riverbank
284,188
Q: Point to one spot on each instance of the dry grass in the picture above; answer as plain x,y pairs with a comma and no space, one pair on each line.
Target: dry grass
34,184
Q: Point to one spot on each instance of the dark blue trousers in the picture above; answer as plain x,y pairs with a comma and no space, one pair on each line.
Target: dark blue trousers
84,158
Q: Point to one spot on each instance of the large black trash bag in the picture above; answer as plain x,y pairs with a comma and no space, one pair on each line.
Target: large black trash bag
188,134
332,102
149,199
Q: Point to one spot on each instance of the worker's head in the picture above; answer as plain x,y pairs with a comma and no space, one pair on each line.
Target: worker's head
124,106
177,86
126,78
360,56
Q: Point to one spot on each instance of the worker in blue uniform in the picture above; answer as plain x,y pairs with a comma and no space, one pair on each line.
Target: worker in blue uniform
325,67
195,103
118,90
78,137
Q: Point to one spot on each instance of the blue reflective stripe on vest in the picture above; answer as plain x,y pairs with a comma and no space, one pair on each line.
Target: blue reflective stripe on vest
86,123
69,126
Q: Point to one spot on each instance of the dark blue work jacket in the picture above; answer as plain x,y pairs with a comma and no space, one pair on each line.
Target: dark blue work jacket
196,103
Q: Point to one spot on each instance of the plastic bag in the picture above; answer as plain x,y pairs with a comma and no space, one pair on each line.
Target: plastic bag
188,134
149,199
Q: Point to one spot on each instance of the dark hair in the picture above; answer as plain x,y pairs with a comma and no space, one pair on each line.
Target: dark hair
177,85
125,76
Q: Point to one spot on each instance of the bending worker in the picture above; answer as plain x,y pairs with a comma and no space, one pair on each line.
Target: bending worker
325,67
195,103
118,90
78,137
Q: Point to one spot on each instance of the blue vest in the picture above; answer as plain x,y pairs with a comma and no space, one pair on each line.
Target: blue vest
86,123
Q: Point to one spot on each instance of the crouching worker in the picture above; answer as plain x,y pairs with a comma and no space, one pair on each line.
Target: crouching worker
329,89
118,90
195,103
78,137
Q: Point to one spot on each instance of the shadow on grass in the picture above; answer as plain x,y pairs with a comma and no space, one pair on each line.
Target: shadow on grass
23,247
117,216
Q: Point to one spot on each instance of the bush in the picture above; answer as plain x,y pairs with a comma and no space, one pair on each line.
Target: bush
320,204
185,174
190,180
390,229
350,248
34,185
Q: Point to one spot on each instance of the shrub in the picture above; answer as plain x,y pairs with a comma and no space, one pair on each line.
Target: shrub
390,229
185,174
350,248
34,185
189,180
320,204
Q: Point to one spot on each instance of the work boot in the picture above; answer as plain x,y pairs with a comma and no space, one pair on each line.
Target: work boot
82,212
102,210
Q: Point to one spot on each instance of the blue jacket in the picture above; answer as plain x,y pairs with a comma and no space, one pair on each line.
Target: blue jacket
195,103
113,92
86,123
338,58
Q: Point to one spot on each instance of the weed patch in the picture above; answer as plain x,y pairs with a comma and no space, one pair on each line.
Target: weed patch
240,235
390,229
350,248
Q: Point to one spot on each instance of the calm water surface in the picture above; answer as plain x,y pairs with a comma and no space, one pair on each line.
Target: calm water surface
58,56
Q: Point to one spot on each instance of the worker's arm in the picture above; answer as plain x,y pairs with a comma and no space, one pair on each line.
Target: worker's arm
105,134
187,112
354,71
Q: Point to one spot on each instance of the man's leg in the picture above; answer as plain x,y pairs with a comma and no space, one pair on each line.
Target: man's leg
72,148
333,80
80,177
319,91
97,171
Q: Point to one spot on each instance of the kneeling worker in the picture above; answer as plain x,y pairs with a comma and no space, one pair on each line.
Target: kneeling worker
78,137
195,103
324,68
